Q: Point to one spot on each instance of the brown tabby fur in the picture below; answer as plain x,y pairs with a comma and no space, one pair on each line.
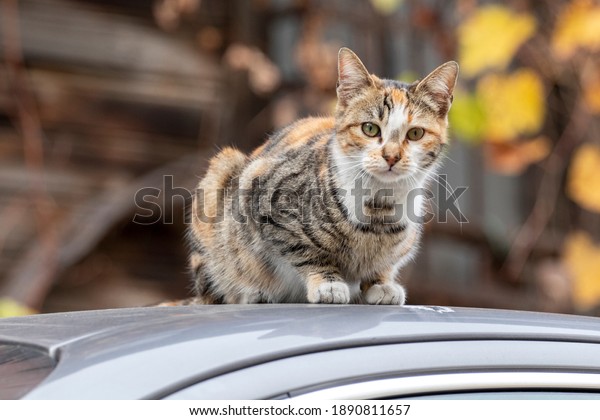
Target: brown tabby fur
301,247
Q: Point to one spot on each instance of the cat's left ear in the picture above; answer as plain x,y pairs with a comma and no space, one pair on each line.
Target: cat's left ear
439,86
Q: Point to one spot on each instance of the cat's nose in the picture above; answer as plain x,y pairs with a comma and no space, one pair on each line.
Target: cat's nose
392,159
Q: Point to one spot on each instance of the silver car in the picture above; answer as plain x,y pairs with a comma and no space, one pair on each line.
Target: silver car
299,351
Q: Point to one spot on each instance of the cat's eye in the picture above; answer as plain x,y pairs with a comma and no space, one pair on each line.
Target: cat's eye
415,133
370,129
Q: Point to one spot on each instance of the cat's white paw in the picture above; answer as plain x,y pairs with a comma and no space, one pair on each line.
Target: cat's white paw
385,294
330,292
250,297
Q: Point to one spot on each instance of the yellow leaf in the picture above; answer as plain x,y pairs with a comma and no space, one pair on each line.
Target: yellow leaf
583,183
582,258
591,93
514,157
10,307
578,26
467,117
513,104
386,7
490,38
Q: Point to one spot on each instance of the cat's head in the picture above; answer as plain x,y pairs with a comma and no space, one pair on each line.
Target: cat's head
389,129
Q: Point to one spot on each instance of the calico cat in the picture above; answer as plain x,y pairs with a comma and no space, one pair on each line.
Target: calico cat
320,212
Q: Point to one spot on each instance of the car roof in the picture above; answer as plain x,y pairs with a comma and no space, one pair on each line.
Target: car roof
138,352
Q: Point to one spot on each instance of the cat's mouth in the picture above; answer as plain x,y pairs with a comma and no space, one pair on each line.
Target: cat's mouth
392,174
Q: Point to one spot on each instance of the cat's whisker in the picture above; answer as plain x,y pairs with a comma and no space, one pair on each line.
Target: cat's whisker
415,184
448,158
348,164
348,171
352,165
430,201
358,175
448,189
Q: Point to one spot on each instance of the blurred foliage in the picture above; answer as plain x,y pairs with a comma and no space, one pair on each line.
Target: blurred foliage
169,13
504,105
263,76
467,116
577,27
584,175
514,157
508,102
386,7
513,104
530,87
10,307
489,38
582,258
592,89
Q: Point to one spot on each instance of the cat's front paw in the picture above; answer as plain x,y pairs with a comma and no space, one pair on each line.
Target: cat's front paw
330,292
385,294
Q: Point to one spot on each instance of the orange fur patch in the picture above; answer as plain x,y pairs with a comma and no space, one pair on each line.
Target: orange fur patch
309,128
258,150
398,97
257,168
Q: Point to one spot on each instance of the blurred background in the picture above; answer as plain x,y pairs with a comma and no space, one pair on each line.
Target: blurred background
100,98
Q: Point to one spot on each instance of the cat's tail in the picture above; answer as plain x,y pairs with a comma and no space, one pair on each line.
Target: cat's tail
207,212
211,190
222,168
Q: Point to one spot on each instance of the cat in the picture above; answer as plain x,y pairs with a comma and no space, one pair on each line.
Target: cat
314,214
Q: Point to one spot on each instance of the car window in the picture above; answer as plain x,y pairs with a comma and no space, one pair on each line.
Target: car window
511,395
463,385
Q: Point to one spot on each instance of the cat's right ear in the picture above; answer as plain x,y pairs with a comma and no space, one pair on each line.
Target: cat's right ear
352,75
